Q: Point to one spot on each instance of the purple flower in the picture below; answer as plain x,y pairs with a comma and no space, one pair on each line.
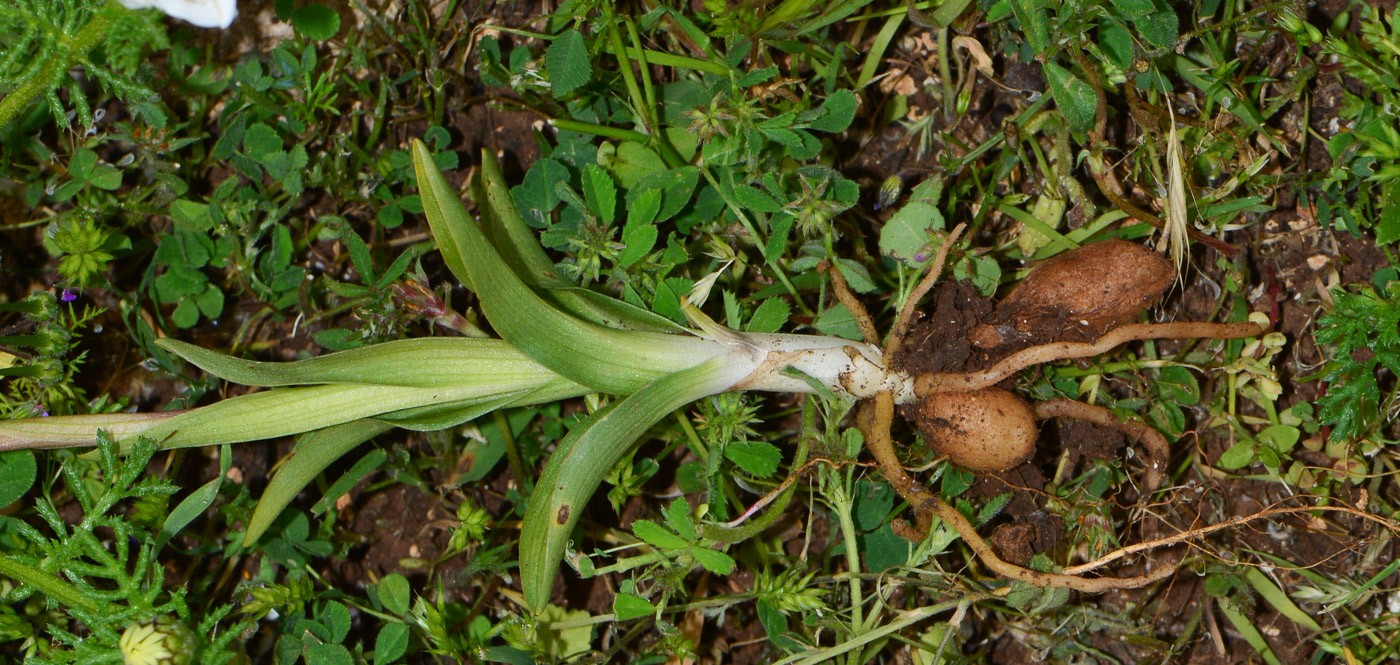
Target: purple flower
68,296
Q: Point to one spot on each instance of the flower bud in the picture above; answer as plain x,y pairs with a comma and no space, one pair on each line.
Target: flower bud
163,641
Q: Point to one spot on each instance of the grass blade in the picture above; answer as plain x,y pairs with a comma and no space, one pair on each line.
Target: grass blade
1276,597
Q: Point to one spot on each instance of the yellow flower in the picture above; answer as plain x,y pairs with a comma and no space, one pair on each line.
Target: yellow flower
160,642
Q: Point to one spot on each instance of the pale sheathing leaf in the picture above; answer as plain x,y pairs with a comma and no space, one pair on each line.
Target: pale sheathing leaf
1174,241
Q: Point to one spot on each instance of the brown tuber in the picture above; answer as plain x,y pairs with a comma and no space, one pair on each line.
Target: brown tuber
1088,291
984,430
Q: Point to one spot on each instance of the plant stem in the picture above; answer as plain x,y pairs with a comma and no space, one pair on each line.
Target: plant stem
625,67
665,59
69,50
598,130
49,584
841,501
758,238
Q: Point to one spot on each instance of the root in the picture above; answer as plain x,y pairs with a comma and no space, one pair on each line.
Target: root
844,295
1159,452
906,315
952,517
1192,534
943,382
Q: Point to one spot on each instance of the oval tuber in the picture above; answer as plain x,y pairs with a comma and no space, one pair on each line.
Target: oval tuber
984,430
1096,287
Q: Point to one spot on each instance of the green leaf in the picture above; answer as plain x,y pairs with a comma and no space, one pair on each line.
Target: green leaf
365,466
1074,97
391,643
1281,437
336,618
755,199
908,235
105,177
757,76
770,316
632,162
260,140
638,238
395,594
1178,385
1279,599
314,452
1238,456
718,563
676,187
196,503
759,458
600,193
328,654
17,473
210,302
657,536
678,516
839,110
884,549
857,276
191,215
1117,44
1035,24
837,320
1134,8
627,607
535,196
1388,229
186,314
584,458
80,167
316,21
564,642
566,62
605,358
873,502
1158,28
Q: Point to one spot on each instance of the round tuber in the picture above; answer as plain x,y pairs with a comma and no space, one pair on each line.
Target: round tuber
984,430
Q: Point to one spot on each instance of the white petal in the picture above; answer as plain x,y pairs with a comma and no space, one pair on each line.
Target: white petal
203,13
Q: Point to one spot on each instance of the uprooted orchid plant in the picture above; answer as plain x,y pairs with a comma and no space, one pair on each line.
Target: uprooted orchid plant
558,341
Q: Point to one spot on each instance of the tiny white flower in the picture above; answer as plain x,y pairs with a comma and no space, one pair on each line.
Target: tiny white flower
203,13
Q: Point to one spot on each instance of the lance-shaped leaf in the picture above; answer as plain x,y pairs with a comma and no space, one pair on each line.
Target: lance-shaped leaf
312,454
419,363
516,242
586,456
602,358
